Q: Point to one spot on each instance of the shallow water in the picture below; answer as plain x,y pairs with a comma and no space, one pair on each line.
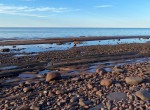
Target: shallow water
92,69
8,67
65,46
108,65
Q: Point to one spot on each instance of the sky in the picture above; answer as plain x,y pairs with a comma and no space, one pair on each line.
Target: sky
75,13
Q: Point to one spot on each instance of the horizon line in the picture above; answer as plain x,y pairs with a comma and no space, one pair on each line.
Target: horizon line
66,27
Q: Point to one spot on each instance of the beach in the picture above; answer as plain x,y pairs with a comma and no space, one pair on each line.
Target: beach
76,74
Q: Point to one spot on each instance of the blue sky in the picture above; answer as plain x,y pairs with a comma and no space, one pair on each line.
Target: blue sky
75,13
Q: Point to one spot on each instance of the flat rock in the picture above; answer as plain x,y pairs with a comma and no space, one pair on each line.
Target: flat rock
52,75
133,80
116,96
143,95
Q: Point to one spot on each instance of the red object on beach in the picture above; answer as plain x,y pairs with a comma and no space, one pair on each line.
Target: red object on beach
75,39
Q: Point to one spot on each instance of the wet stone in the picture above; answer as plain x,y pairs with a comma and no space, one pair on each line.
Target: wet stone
143,95
117,96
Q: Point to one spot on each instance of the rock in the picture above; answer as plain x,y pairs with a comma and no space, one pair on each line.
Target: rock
133,80
108,104
99,93
143,95
131,97
106,82
74,99
27,89
84,103
116,96
75,79
89,86
50,94
58,92
52,75
5,50
117,70
23,107
34,108
101,71
97,107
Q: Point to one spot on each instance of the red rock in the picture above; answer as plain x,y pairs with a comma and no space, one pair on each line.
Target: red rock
52,75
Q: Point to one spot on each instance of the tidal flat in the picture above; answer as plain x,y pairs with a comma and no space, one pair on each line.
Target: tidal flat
94,74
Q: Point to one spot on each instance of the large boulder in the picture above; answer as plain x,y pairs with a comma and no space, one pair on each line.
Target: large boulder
143,95
133,80
52,75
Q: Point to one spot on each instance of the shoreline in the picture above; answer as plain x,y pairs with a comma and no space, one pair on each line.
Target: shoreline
64,40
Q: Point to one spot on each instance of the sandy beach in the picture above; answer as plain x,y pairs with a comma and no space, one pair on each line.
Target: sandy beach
95,77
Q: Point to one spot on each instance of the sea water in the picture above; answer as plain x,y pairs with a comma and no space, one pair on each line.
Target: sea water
37,33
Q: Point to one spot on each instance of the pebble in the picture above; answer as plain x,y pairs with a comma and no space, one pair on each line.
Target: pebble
27,89
106,82
74,99
52,75
84,103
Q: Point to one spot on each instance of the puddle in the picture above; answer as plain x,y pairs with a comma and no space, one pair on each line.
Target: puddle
27,76
108,69
91,69
22,55
8,67
44,72
65,46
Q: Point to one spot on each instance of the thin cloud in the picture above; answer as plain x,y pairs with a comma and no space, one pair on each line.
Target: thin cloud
103,6
30,11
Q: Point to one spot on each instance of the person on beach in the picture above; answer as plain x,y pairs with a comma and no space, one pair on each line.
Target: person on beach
75,42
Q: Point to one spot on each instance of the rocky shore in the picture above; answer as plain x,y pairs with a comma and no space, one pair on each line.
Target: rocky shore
125,87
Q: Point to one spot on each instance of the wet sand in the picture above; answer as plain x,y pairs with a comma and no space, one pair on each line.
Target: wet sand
63,40
80,79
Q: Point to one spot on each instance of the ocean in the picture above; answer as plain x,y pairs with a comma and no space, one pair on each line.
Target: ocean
37,33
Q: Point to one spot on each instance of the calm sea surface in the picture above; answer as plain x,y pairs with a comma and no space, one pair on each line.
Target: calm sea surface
36,33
